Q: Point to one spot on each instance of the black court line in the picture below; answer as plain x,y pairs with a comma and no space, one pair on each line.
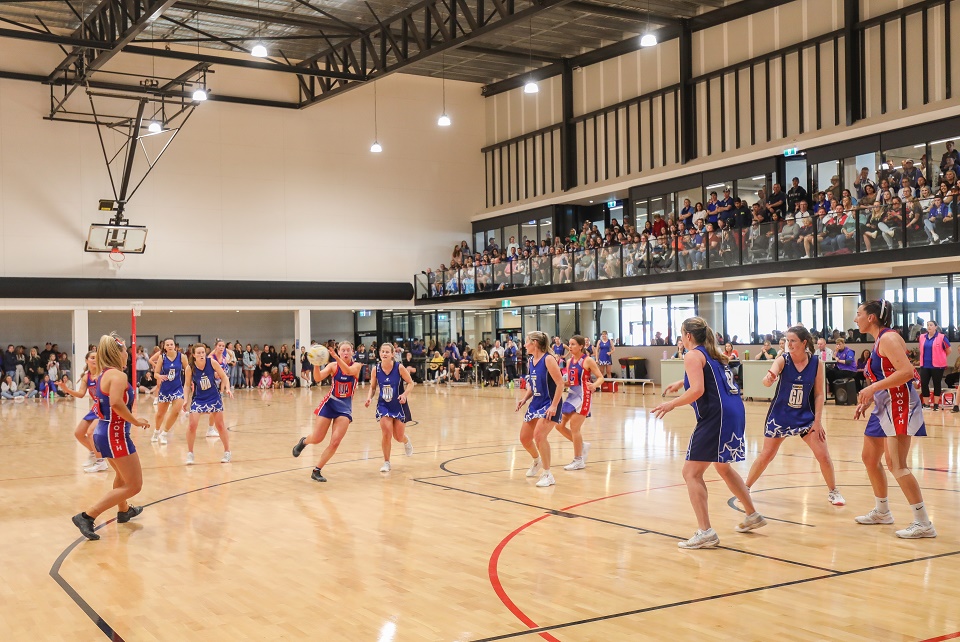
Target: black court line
732,504
91,612
610,616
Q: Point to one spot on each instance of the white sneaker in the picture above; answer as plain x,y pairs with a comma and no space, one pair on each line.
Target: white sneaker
576,464
701,539
750,523
836,498
875,517
156,401
385,468
163,439
546,479
98,466
916,530
212,432
226,457
156,436
535,468
586,449
91,460
189,459
408,447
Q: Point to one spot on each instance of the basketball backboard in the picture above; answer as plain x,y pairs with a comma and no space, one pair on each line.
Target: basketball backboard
129,239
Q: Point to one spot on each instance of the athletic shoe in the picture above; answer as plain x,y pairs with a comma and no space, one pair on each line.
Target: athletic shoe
750,523
576,464
189,459
317,475
956,408
300,446
156,401
535,468
91,460
836,498
212,432
85,525
586,449
875,517
385,468
546,479
98,466
701,539
408,447
125,516
936,407
916,530
163,439
226,457
156,436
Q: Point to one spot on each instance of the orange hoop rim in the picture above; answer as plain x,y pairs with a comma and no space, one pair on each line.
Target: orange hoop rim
116,255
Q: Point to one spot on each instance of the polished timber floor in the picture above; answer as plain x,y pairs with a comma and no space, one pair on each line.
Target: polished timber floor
455,543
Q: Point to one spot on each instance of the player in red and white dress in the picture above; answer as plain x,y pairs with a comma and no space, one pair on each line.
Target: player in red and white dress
897,418
87,385
576,407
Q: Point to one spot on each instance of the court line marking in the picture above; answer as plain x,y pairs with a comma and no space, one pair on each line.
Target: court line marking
940,638
92,613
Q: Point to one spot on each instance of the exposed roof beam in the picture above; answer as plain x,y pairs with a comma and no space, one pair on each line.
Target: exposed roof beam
511,53
289,19
624,14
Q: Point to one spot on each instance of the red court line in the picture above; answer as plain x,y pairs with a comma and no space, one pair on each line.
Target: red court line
948,636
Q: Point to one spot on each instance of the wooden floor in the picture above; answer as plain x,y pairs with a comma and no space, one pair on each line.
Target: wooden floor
455,543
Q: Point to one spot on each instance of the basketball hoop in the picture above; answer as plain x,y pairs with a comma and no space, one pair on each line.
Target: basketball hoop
116,259
137,307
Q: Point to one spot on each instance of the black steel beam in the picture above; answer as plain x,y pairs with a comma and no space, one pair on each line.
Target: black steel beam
511,53
623,13
688,112
568,131
851,57
272,17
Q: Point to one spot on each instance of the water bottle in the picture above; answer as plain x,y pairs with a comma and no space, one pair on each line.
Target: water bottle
664,355
746,355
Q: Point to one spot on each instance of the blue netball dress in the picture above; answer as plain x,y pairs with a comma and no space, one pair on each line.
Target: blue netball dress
579,395
896,411
171,382
222,360
92,391
543,387
791,410
339,401
391,387
111,437
558,351
721,419
206,392
603,358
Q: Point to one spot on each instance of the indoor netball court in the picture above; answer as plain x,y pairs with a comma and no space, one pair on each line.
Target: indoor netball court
275,275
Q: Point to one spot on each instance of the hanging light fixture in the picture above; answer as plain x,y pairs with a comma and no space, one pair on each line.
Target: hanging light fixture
155,127
376,148
531,87
259,49
648,39
200,93
444,120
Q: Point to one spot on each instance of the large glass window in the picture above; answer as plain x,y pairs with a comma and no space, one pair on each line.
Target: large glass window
807,302
530,321
772,313
710,306
889,290
548,320
528,232
927,299
682,307
546,228
508,324
828,179
904,162
842,302
479,241
510,234
797,168
747,188
641,209
853,169
657,323
567,316
939,151
632,319
739,328
588,319
609,320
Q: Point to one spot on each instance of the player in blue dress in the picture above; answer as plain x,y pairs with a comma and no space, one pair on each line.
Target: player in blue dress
219,354
896,419
87,385
206,383
605,354
545,388
114,406
576,407
168,368
336,409
718,437
797,408
393,382
558,350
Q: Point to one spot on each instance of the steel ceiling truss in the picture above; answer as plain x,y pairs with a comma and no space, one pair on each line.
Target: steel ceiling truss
425,29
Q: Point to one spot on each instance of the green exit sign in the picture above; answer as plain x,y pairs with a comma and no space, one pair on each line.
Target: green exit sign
506,303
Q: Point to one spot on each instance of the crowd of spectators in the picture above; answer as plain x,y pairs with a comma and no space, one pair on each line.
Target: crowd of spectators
31,372
894,208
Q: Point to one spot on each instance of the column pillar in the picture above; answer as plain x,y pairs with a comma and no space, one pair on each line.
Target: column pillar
81,339
301,329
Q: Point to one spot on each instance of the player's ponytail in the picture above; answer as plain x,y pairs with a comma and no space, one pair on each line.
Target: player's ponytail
86,368
539,338
882,309
704,335
804,335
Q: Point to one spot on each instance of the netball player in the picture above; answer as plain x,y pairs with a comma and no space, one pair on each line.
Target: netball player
336,409
114,396
717,438
558,350
797,408
545,387
605,353
897,418
219,355
87,384
204,397
168,368
576,407
394,382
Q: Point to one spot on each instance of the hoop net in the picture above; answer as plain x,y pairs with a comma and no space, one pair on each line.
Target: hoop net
137,307
116,258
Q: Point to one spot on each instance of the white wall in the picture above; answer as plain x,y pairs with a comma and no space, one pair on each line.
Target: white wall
247,192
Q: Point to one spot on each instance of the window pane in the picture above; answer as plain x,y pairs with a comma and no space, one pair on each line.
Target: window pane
632,319
681,308
842,302
807,303
657,324
694,196
772,313
609,320
739,316
528,232
546,228
510,233
828,179
905,163
890,290
928,299
508,323
711,308
568,320
747,188
797,168
588,319
640,213
479,242
940,150
548,320
855,170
